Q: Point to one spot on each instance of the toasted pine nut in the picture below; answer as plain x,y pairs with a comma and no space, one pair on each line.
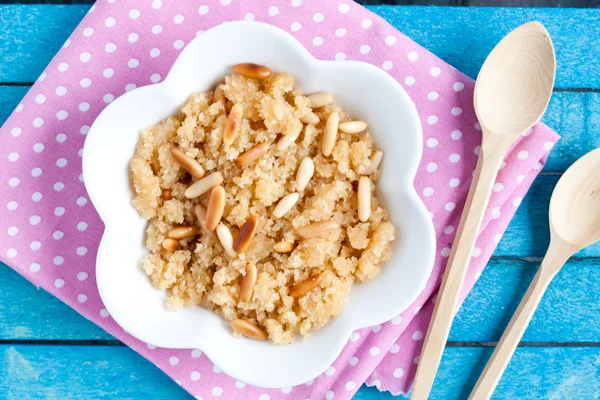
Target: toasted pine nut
310,118
190,164
248,329
170,244
364,198
283,247
202,186
218,95
285,141
247,283
214,210
317,229
200,212
375,161
330,134
166,194
226,239
285,205
253,154
300,289
183,231
305,173
320,99
353,126
254,71
247,231
233,125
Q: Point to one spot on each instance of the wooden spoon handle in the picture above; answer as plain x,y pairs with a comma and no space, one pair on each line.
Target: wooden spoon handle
556,256
449,293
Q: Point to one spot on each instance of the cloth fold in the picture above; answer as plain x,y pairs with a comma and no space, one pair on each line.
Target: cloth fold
49,232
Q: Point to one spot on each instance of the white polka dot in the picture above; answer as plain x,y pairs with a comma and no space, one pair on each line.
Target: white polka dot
13,182
85,57
428,191
83,107
19,108
432,142
110,22
195,375
448,229
329,395
309,383
82,276
178,19
81,201
476,252
57,235
156,4
108,98
88,31
340,56
520,178
216,369
59,211
40,98
376,328
104,313
156,29
454,158
395,348
59,283
318,41
318,17
16,131
12,231
344,8
366,23
432,119
13,157
374,350
296,26
456,111
35,267
178,44
38,147
450,206
173,360
35,219
36,172
458,86
133,37
454,182
477,126
498,187
456,135
431,96
273,11
134,14
432,167
43,75
226,2
82,226
37,196
82,298
517,201
240,385
353,361
296,3
537,165
431,215
249,17
84,129
397,320
154,52
527,132
390,40
523,155
387,65
497,238
445,252
341,32
63,66
398,373
217,391
61,91
330,371
81,251
496,213
354,337
350,385
435,71
476,150
196,353
548,146
129,87
85,82
413,56
155,78
62,114
38,122
110,47
58,186
11,253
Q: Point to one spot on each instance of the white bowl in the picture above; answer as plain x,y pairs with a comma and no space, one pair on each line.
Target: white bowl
367,92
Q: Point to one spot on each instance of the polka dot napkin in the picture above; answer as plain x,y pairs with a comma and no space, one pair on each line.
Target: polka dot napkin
49,231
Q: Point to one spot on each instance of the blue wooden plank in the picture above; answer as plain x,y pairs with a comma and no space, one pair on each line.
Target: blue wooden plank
31,34
116,372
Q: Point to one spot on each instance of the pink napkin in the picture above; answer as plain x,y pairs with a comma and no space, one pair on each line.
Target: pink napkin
49,232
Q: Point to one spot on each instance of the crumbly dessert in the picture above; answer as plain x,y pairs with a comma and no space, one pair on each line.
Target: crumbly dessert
260,205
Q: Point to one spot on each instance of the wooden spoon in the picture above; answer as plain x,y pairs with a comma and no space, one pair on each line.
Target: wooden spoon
511,94
574,224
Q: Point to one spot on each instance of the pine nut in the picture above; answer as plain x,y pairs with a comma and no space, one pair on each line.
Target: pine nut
285,205
233,125
253,154
254,71
166,194
191,165
226,239
353,126
202,186
247,283
170,244
364,198
214,210
248,329
310,118
283,247
218,95
317,229
305,173
247,231
200,212
375,161
320,99
183,232
300,289
330,134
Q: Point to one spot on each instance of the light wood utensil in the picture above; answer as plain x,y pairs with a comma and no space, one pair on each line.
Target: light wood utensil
574,224
511,95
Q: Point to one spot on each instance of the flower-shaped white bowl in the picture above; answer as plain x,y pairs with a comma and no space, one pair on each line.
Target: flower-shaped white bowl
367,92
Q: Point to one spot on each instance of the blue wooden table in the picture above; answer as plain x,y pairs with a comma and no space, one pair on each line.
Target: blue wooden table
48,351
